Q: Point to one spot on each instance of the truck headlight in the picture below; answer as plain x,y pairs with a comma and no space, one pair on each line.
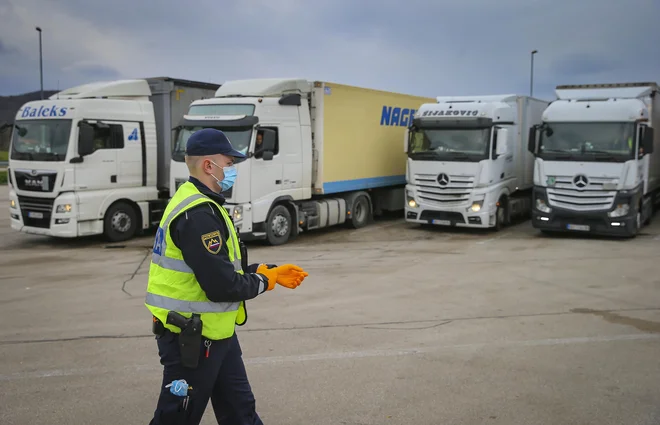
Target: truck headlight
476,206
237,213
63,208
619,211
12,204
542,206
410,199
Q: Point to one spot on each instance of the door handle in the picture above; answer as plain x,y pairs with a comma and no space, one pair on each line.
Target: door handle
113,179
278,181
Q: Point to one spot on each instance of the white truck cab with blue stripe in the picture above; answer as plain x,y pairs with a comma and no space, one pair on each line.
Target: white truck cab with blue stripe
305,174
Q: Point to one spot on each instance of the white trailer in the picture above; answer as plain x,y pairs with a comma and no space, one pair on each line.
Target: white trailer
596,170
468,163
94,159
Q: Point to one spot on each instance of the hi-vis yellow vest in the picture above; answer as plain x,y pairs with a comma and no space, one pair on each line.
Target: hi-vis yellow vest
172,284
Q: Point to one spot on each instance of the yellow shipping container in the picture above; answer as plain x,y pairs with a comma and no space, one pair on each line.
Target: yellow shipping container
358,136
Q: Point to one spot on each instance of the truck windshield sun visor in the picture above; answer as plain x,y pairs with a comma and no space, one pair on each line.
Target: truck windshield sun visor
249,121
444,122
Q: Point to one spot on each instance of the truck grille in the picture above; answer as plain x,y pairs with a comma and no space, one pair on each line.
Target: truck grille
455,193
36,212
593,197
35,180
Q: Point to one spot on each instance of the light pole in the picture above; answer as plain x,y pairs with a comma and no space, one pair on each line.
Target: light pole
531,74
41,65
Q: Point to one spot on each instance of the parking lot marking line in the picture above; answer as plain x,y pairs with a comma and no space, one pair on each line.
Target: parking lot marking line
346,355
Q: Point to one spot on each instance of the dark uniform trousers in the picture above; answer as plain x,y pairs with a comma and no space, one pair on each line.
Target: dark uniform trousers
220,377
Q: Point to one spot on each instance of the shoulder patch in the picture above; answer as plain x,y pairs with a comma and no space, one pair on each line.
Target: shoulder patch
212,241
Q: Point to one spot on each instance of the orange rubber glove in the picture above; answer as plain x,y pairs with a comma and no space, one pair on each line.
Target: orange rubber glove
271,275
290,275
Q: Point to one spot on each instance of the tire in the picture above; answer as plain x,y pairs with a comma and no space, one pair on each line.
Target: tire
278,226
360,212
500,215
120,222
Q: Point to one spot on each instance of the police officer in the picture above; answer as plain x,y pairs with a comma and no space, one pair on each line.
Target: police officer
197,291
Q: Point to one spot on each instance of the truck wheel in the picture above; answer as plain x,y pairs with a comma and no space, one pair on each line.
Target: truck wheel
278,225
500,215
361,212
120,222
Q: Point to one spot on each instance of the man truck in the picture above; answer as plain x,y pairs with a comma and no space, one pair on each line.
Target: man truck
468,164
596,170
94,159
319,154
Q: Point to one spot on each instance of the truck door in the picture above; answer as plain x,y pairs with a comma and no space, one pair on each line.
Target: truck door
503,164
130,157
267,175
98,170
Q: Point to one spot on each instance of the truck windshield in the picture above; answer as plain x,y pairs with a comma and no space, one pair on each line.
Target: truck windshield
40,140
447,144
588,141
239,138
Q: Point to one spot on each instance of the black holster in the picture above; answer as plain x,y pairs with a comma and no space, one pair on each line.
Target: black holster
190,338
244,256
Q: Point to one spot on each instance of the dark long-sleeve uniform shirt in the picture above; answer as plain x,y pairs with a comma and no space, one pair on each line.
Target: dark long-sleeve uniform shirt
214,271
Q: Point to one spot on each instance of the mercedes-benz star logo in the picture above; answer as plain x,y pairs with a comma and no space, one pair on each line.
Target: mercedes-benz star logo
580,181
34,172
443,179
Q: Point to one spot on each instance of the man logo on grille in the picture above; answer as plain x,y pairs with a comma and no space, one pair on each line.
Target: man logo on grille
580,181
443,179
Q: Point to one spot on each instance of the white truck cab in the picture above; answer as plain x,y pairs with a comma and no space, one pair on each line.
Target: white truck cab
596,170
467,160
94,159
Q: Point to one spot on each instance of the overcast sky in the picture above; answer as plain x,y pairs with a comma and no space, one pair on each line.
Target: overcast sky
422,47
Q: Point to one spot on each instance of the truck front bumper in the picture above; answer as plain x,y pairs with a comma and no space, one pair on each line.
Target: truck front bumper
44,216
241,215
592,222
461,216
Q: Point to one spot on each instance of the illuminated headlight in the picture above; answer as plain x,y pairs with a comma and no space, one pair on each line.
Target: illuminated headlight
12,204
63,208
542,206
237,213
619,211
476,206
410,199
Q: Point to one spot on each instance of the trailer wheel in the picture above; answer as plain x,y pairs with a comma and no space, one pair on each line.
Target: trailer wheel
361,212
120,222
278,225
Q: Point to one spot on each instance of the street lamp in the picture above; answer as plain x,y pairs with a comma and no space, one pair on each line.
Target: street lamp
41,65
531,74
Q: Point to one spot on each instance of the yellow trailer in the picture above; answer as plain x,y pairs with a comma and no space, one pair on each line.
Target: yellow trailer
358,134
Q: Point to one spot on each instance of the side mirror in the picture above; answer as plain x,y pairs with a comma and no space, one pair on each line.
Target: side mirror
267,155
647,140
502,141
85,139
268,143
406,139
531,141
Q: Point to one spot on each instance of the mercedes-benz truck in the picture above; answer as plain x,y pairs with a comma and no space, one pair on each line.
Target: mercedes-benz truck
596,170
94,159
468,164
320,154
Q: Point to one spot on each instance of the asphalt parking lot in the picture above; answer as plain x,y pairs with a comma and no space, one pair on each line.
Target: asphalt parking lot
396,324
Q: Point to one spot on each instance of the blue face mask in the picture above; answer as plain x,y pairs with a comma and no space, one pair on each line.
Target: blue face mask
230,177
